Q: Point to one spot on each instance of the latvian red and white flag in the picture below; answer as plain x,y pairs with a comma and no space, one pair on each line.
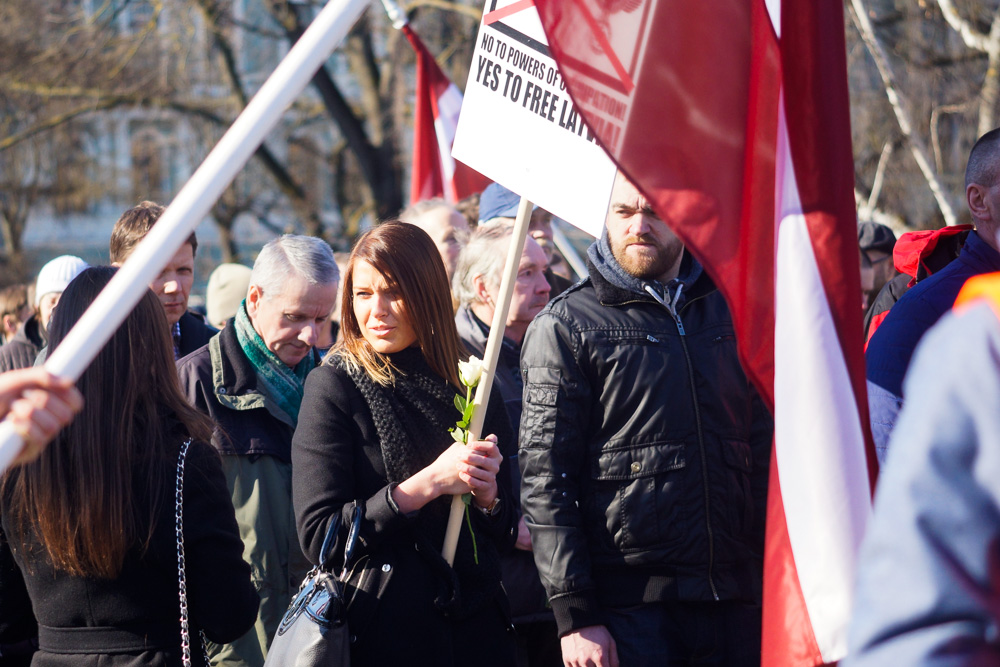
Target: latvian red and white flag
438,102
732,117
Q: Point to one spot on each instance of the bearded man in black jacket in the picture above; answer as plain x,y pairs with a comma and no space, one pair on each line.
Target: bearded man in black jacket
644,453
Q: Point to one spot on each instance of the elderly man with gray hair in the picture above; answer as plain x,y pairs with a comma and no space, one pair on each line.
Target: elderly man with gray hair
476,285
249,379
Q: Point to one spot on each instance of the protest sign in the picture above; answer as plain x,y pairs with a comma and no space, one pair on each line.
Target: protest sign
519,126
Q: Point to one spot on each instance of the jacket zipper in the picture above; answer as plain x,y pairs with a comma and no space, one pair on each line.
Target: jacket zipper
670,307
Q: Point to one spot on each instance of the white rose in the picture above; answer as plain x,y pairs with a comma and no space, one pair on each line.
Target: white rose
470,371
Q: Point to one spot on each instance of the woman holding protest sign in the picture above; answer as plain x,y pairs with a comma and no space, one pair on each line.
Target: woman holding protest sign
92,522
374,438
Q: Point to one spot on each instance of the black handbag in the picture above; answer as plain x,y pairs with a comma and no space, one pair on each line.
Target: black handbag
313,632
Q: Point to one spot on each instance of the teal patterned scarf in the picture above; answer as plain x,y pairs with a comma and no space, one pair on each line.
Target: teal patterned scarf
279,383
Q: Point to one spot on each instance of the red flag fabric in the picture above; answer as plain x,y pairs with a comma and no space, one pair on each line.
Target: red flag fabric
438,102
732,117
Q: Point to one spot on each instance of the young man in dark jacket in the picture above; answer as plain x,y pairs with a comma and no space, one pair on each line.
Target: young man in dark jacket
644,457
188,330
249,379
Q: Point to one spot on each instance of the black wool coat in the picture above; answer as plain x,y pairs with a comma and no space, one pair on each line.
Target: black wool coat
337,465
133,619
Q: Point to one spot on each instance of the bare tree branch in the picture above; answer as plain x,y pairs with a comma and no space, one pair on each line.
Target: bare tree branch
286,182
935,138
377,166
883,160
988,44
972,38
472,12
859,16
212,13
55,120
991,82
875,214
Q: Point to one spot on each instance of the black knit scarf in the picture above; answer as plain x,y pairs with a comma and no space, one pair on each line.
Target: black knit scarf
412,418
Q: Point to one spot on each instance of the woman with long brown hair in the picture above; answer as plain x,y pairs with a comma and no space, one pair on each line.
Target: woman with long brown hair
91,522
373,438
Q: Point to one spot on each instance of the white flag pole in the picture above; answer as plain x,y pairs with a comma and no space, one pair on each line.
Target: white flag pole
194,200
396,14
491,355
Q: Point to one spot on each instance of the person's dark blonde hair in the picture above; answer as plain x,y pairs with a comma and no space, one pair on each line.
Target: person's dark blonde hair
80,497
132,227
409,262
13,299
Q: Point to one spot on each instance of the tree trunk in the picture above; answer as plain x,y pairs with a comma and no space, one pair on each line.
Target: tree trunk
859,16
376,164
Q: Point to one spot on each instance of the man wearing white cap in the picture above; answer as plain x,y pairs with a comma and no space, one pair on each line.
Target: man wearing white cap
227,287
31,336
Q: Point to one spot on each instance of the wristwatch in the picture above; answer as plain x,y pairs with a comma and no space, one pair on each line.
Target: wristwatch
491,509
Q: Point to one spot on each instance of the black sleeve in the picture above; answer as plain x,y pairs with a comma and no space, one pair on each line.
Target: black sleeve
557,400
190,382
326,443
221,598
502,526
196,389
17,619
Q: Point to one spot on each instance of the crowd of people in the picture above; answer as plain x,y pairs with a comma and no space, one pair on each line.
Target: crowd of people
617,496
926,589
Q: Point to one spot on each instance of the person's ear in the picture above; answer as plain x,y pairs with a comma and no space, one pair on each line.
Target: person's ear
254,297
480,289
975,196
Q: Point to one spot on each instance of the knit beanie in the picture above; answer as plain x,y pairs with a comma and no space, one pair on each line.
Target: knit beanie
57,274
227,287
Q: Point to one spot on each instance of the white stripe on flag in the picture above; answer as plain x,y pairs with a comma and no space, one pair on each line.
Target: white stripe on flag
818,439
449,105
773,8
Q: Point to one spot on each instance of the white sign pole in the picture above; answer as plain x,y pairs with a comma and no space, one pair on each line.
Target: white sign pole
491,355
194,200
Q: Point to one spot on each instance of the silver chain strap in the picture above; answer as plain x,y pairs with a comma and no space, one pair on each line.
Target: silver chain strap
181,576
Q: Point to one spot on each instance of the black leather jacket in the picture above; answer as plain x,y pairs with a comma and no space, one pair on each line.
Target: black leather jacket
644,450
